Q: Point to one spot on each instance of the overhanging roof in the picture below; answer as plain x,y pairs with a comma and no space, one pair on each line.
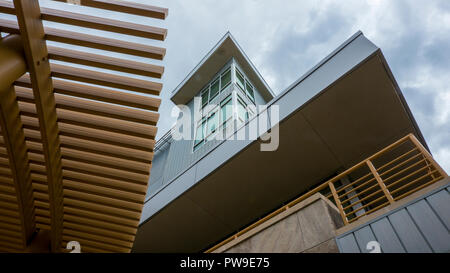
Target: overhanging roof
340,112
221,53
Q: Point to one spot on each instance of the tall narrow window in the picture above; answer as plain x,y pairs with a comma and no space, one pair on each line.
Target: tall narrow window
225,79
226,110
200,134
214,89
249,91
242,110
213,123
205,93
240,79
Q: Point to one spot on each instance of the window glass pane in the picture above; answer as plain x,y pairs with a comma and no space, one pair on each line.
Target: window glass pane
240,79
205,97
242,111
199,135
225,79
226,109
213,123
214,89
249,89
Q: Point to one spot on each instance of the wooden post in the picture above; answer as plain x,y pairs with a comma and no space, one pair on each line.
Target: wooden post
380,181
338,202
427,154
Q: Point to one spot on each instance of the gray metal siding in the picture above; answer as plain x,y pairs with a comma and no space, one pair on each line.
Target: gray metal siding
420,226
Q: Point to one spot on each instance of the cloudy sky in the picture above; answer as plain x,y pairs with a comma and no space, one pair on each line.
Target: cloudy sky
286,38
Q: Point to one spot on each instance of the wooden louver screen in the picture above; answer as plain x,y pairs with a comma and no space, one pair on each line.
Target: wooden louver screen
89,125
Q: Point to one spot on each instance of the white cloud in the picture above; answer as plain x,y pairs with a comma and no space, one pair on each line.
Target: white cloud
286,38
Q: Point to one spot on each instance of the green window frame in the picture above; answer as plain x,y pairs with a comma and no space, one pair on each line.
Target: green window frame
214,90
200,134
240,80
213,124
225,79
249,90
227,103
204,95
242,109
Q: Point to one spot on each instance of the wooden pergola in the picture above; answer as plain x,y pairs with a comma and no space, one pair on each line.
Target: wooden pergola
77,135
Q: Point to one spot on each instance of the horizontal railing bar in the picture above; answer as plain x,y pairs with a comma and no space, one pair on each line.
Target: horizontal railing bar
369,211
357,187
405,177
403,170
412,182
401,164
396,159
354,182
366,205
365,198
362,192
418,188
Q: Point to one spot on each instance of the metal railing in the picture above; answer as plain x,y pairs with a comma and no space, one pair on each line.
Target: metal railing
391,174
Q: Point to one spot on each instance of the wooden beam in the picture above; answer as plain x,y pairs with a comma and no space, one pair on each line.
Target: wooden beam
14,140
32,32
12,65
126,7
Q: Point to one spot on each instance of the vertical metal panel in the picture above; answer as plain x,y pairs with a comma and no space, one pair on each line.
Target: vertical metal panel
363,236
348,244
419,226
408,232
386,236
431,227
439,202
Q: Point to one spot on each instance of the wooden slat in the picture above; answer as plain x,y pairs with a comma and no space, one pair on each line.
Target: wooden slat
135,7
91,41
105,79
102,23
95,207
104,171
113,202
98,93
107,137
93,107
105,182
100,224
104,190
105,62
98,148
32,33
89,120
110,161
103,43
107,149
105,123
92,215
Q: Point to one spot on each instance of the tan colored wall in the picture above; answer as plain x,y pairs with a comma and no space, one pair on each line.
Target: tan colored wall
309,226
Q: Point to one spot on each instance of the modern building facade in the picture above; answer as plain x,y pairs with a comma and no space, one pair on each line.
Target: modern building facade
346,162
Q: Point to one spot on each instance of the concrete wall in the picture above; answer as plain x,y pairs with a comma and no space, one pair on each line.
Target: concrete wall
309,226
421,225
